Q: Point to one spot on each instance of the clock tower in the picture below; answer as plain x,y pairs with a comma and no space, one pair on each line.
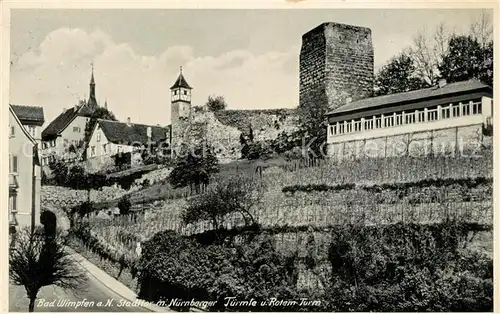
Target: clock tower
180,97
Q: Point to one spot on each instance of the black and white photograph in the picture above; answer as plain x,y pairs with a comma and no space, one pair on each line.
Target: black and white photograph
267,159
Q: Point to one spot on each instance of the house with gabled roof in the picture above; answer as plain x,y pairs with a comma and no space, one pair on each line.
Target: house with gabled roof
109,138
447,118
68,128
24,166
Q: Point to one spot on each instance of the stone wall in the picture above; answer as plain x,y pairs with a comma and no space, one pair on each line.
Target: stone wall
336,62
448,142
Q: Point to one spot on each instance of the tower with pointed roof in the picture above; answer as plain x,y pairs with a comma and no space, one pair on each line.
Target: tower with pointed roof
92,102
180,116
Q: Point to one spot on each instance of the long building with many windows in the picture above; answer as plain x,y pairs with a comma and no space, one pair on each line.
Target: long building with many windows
447,118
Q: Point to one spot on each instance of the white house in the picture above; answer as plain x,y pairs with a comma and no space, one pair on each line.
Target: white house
444,118
109,138
24,166
68,128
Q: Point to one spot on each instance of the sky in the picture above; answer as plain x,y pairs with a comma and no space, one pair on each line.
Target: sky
248,56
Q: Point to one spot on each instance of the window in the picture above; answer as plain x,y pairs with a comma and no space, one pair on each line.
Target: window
349,127
357,126
378,123
369,124
92,151
421,116
32,130
341,128
98,136
465,110
476,108
13,203
389,121
410,118
105,148
12,131
175,92
399,119
44,145
119,149
76,129
53,143
432,115
445,113
185,92
456,111
14,164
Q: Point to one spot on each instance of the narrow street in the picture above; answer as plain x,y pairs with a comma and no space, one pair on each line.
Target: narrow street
94,293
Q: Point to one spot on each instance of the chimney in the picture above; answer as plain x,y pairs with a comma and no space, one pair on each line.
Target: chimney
149,132
442,83
128,121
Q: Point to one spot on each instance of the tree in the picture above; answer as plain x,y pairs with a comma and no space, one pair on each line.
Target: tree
234,195
194,168
216,103
124,205
38,260
467,59
397,76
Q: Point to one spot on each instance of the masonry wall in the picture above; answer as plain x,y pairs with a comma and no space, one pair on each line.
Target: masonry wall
465,141
336,63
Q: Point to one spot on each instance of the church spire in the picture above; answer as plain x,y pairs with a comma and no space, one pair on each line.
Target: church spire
92,102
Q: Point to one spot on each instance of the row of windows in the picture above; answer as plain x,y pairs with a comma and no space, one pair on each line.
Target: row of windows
185,92
30,128
400,118
104,149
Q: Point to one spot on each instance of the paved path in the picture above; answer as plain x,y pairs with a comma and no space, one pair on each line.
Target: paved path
102,294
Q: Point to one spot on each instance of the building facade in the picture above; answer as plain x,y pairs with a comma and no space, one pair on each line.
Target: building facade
65,135
452,118
109,138
24,166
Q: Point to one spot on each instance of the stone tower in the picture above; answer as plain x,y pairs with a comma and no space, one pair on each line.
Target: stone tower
180,110
336,62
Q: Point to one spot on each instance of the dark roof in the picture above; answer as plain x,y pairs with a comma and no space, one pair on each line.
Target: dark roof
416,95
61,121
181,82
121,133
30,114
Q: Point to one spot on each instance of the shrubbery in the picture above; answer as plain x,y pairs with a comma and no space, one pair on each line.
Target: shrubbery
124,205
173,266
405,267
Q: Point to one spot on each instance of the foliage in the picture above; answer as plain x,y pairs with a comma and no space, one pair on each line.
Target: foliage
467,59
122,160
194,168
234,195
216,103
468,183
397,76
175,267
38,260
84,209
124,205
256,150
407,267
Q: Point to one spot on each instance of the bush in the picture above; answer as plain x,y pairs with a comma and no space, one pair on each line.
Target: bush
406,267
124,205
173,266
